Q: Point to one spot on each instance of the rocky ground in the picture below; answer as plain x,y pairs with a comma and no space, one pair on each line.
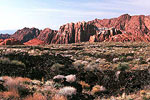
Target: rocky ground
82,71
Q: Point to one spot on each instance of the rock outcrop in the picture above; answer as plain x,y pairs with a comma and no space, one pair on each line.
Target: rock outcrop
121,29
26,34
74,33
47,35
10,41
34,41
133,28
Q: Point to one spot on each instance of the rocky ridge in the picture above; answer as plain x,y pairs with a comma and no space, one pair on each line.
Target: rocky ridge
121,29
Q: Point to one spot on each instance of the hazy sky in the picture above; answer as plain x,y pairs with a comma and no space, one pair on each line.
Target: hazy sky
16,14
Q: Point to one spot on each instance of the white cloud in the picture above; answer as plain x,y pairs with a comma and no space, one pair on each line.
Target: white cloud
68,11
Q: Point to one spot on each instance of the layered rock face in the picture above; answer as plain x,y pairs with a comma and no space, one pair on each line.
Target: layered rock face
10,41
121,29
134,28
26,34
74,33
47,35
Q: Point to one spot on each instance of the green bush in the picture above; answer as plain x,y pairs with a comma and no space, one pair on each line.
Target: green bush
123,66
146,98
57,67
18,63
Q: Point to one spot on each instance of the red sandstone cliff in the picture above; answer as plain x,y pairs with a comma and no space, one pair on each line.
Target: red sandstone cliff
47,35
121,29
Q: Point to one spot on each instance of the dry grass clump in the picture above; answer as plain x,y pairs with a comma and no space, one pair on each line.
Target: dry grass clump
14,87
59,97
13,94
22,80
84,85
36,96
97,89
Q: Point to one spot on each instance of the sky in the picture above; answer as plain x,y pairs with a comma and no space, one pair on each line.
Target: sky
17,14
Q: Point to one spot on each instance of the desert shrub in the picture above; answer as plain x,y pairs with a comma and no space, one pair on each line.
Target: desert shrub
141,60
123,66
85,85
18,63
9,95
36,96
11,67
146,98
4,61
58,97
67,91
36,66
23,91
58,85
97,89
56,67
2,88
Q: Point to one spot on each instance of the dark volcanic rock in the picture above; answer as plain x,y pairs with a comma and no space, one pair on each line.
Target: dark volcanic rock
26,34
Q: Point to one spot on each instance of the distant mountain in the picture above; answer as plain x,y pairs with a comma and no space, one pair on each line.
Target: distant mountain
121,29
26,34
4,36
7,31
10,41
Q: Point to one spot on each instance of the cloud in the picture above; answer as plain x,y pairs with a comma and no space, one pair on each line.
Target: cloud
73,13
114,6
54,13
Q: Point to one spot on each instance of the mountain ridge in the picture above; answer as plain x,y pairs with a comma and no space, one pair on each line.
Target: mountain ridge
120,29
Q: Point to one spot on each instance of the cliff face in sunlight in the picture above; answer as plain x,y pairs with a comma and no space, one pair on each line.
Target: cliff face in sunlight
121,29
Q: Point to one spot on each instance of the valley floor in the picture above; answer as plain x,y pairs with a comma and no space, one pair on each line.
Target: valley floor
83,71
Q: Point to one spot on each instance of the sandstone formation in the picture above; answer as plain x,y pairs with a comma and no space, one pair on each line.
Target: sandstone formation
10,41
121,29
134,28
26,34
34,41
74,33
47,35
